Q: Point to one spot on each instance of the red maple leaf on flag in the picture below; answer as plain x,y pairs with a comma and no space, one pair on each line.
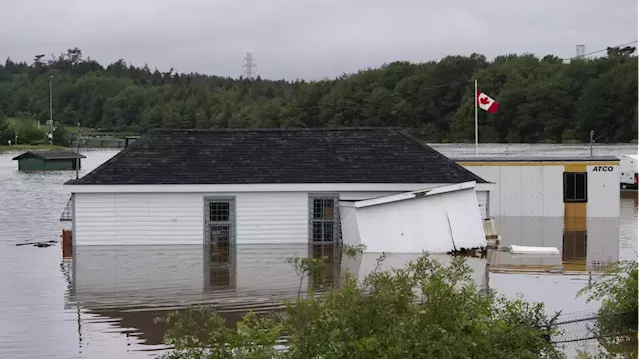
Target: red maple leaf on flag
484,100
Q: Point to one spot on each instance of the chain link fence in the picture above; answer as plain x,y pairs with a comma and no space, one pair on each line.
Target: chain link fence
583,326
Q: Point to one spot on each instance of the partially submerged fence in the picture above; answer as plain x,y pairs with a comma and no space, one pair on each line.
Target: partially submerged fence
582,326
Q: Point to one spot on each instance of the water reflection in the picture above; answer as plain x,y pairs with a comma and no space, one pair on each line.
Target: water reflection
131,285
589,246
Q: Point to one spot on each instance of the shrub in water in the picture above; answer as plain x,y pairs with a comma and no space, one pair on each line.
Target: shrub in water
425,310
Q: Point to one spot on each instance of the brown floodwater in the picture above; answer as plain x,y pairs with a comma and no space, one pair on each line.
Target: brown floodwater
101,303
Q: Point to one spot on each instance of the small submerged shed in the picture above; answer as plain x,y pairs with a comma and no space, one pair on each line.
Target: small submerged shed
48,160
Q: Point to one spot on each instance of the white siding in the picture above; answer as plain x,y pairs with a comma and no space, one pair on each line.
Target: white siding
532,187
553,192
603,191
602,241
178,218
139,218
523,190
510,188
483,203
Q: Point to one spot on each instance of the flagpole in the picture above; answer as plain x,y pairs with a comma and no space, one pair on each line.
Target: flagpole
475,96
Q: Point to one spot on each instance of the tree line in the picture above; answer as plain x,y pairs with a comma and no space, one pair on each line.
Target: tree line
541,99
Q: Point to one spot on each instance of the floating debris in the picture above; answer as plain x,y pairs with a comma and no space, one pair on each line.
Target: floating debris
533,250
40,244
480,252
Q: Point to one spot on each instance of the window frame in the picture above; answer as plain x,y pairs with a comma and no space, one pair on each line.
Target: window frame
231,222
228,265
336,232
574,175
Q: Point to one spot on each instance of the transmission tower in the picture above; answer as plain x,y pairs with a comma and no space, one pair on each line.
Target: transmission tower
249,65
580,51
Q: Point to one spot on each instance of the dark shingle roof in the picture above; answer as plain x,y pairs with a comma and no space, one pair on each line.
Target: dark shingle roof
49,155
363,155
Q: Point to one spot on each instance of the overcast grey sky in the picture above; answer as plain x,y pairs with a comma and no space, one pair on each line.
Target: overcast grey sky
307,39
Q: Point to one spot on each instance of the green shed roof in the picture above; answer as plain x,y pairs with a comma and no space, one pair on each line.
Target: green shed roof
50,155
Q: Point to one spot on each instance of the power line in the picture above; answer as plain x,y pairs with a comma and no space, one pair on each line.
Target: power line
601,50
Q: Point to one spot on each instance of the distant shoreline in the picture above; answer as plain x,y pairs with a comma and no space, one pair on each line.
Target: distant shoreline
31,147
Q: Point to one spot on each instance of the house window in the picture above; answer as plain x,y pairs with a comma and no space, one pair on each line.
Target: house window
575,187
219,222
219,211
325,222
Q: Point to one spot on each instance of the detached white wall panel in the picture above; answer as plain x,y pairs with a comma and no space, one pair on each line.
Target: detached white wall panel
349,223
464,224
418,221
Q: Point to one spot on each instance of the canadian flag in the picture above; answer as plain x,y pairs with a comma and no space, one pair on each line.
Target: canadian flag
486,103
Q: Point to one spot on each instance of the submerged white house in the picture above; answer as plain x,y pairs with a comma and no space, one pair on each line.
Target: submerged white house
250,186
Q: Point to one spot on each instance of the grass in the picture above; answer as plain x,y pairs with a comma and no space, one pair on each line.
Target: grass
15,121
31,147
84,131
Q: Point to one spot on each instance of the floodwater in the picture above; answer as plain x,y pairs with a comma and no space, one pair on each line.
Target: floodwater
102,303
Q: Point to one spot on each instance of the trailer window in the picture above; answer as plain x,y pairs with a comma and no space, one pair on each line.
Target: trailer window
575,187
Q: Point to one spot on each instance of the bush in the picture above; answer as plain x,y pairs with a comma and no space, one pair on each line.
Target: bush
61,136
28,133
617,319
6,131
425,310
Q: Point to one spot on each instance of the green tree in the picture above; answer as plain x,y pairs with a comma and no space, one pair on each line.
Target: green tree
541,99
61,136
426,310
30,134
617,319
6,131
607,104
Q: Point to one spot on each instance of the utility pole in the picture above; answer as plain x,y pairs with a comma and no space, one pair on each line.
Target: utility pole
77,149
580,50
591,143
51,110
249,65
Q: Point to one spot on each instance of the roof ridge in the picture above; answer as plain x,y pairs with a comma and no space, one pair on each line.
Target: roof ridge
438,153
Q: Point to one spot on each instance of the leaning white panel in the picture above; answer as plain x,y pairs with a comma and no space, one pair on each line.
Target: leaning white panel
437,220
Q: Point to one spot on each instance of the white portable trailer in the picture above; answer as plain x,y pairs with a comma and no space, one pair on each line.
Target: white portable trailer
629,171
